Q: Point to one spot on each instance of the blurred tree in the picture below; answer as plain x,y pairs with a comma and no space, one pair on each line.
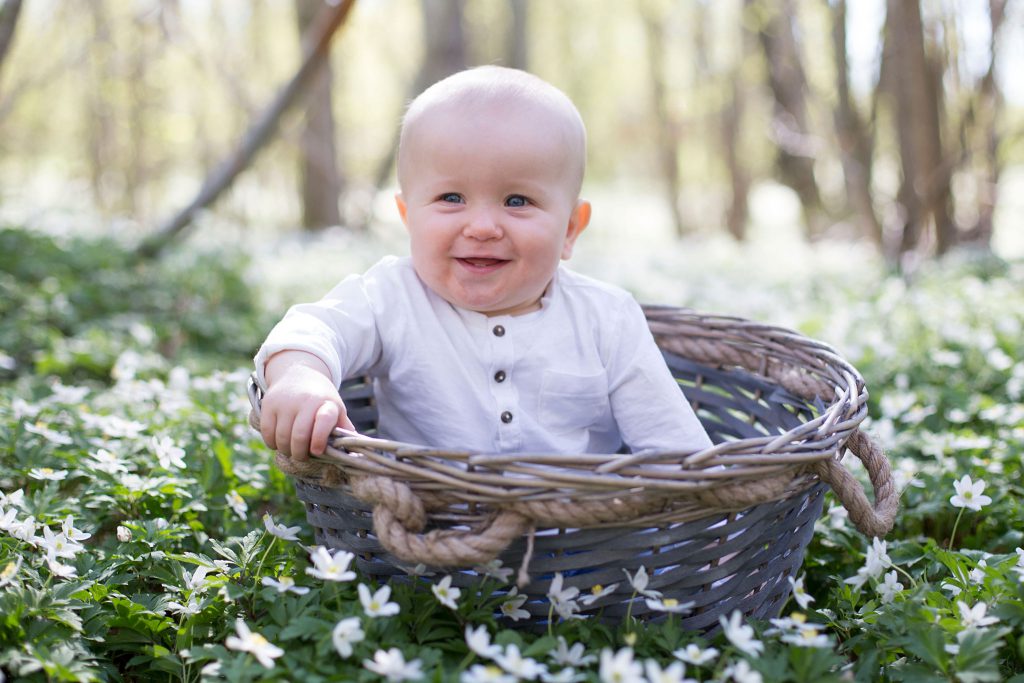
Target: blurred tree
101,124
911,81
796,146
854,137
731,132
259,133
9,12
518,45
667,127
321,182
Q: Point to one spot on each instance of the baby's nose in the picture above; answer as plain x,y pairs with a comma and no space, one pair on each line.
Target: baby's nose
483,225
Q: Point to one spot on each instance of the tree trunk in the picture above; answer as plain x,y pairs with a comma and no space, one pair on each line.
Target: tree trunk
913,86
790,127
518,45
259,133
9,12
101,137
445,53
856,144
321,182
666,126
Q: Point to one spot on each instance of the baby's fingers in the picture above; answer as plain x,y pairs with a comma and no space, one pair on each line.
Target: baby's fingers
328,416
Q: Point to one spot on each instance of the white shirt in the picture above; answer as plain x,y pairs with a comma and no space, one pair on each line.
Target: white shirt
580,375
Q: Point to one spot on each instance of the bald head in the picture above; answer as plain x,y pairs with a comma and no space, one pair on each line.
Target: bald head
495,93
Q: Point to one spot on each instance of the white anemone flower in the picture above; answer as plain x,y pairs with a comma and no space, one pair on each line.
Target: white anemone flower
446,594
670,605
563,599
236,503
742,673
673,673
741,635
802,597
512,605
259,647
479,641
331,567
639,582
575,656
285,533
597,591
974,617
969,494
168,454
8,573
284,584
889,588
619,667
376,604
391,665
525,668
486,673
346,633
696,655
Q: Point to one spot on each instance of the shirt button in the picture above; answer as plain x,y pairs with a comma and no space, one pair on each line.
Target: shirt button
506,417
499,331
499,376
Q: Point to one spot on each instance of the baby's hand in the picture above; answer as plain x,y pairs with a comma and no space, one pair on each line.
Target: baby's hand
301,407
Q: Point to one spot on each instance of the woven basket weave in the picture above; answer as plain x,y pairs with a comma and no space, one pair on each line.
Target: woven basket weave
724,528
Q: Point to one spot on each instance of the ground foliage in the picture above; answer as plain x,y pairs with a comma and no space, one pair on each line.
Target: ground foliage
133,543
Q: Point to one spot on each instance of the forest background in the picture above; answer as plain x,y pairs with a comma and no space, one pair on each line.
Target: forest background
897,124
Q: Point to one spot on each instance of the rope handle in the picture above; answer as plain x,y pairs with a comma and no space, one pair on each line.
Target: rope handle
399,518
870,519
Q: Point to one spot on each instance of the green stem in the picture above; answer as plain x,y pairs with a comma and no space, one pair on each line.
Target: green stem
259,566
949,546
905,573
551,615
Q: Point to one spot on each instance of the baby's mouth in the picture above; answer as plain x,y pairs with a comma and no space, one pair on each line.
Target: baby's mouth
482,262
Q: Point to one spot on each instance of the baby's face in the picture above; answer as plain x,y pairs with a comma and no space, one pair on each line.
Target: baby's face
489,199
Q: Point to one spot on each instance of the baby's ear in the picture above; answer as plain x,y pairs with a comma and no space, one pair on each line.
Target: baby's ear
579,219
402,208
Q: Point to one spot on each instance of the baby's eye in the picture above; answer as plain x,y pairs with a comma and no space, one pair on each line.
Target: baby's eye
517,201
451,198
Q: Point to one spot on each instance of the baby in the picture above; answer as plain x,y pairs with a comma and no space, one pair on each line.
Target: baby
481,340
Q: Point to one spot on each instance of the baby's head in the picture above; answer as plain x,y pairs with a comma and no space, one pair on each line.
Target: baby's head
490,165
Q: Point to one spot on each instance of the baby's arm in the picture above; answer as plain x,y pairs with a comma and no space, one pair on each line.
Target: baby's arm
301,406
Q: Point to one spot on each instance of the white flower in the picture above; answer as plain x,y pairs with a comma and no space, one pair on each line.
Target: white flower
169,454
479,641
190,608
8,573
639,582
969,494
566,675
1020,556
196,581
331,567
877,559
888,589
377,605
259,647
521,667
512,605
445,593
571,656
742,673
284,584
673,674
740,635
53,436
236,503
25,530
47,474
807,635
285,533
799,594
563,600
105,461
974,617
486,673
347,632
124,534
495,570
8,518
392,666
693,654
16,499
619,667
977,574
597,591
670,605
58,545
61,571
73,534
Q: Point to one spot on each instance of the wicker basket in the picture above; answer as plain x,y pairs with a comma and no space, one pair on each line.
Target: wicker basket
724,528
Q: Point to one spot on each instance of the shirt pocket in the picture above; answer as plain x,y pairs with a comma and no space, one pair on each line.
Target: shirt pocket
570,403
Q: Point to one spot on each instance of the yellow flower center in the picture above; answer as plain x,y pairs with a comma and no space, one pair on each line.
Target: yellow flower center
8,571
597,589
670,602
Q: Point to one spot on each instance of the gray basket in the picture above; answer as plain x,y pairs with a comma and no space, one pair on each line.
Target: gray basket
725,530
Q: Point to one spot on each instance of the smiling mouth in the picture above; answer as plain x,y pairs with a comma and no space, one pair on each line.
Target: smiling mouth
482,263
